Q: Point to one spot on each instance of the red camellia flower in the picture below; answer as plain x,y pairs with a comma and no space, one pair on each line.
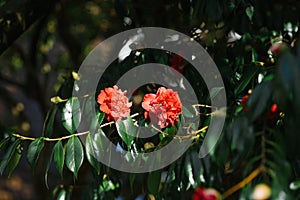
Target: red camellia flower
206,194
163,107
114,103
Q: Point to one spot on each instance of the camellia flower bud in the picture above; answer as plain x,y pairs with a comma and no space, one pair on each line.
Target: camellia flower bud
278,48
206,194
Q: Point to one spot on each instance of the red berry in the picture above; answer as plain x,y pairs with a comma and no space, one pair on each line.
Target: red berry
273,112
274,108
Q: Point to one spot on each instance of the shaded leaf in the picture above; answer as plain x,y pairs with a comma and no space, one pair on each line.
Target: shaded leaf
259,99
49,121
47,167
14,160
153,182
74,155
4,142
248,76
94,149
34,150
10,159
250,12
71,115
59,156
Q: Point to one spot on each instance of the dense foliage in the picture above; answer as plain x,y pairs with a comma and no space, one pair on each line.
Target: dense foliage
256,48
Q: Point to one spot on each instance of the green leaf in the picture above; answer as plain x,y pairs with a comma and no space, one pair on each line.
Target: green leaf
127,131
71,114
34,150
49,121
94,149
47,168
14,160
59,156
11,157
243,137
259,99
62,195
153,182
74,155
295,185
4,142
131,181
248,76
89,114
250,12
96,121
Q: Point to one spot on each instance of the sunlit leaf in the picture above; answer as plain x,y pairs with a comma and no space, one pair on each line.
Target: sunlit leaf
71,115
74,155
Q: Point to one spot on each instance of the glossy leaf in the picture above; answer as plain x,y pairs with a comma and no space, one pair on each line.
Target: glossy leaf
59,156
74,155
34,151
11,157
71,114
94,149
62,195
126,130
14,161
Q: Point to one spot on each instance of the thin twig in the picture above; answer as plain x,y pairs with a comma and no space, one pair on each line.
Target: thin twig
68,136
244,182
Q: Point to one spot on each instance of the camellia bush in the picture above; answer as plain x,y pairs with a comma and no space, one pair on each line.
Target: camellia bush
256,48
